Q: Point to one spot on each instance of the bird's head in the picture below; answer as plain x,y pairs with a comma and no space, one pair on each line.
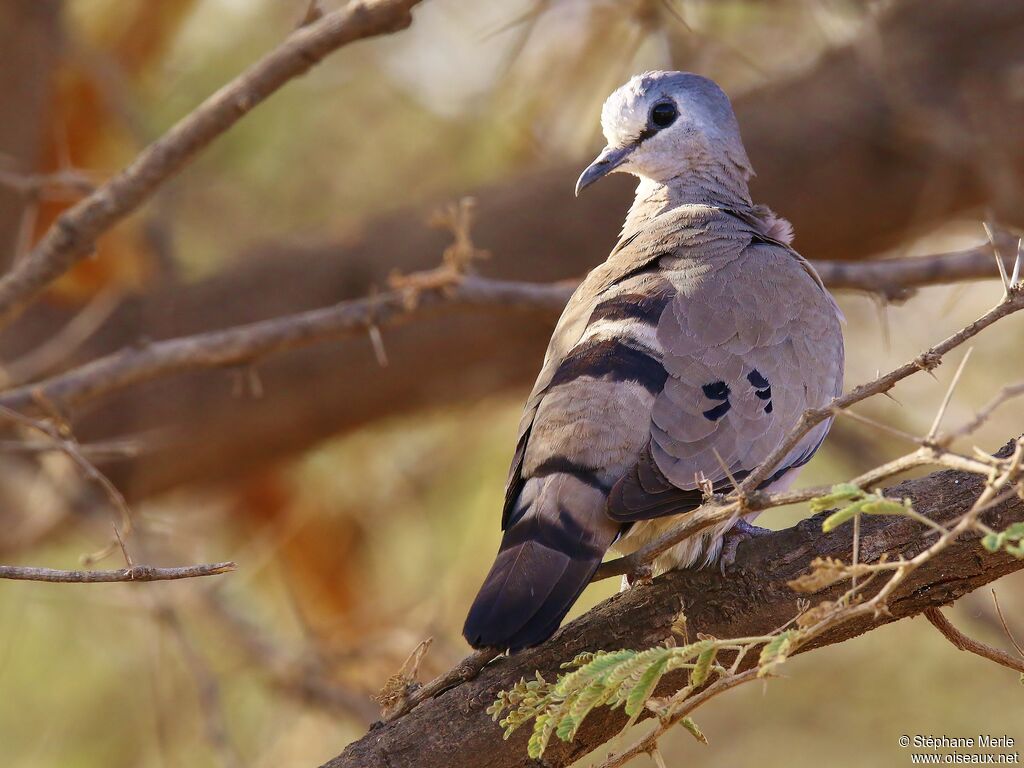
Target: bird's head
662,126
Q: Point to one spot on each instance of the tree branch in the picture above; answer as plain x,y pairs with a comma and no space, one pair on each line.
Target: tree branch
453,730
245,344
135,573
72,237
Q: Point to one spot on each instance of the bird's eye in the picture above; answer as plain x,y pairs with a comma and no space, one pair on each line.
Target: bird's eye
663,114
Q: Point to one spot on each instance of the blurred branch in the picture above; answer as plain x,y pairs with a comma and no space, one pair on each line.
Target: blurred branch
59,434
73,235
453,730
48,355
207,688
303,677
896,279
135,573
419,295
34,186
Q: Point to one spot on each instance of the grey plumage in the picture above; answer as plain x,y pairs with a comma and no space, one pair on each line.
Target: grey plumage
682,360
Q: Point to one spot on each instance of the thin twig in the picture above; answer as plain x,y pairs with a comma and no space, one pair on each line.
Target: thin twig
1006,628
1008,392
62,439
965,643
244,344
59,347
136,573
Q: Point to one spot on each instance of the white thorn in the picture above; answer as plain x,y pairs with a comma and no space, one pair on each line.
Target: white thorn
999,259
1015,277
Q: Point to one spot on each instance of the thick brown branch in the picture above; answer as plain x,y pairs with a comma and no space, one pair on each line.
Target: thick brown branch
454,731
132,574
72,236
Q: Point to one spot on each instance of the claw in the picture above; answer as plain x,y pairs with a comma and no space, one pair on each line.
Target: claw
741,531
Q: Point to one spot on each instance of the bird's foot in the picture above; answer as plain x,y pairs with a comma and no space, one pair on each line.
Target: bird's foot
741,531
641,574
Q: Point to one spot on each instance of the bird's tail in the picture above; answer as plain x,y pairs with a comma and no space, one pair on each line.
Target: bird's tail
550,550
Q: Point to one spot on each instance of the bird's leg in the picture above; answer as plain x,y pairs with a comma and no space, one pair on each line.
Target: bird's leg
741,531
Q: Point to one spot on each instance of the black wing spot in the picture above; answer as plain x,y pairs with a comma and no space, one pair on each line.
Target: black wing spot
757,380
714,414
717,390
762,388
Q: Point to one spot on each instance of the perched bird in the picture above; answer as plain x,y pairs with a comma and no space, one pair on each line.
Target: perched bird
679,364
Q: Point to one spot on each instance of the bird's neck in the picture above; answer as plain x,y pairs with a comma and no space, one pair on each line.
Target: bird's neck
718,188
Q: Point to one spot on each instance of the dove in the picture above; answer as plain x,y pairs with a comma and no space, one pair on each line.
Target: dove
677,366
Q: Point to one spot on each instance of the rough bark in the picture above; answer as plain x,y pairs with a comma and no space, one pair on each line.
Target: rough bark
453,730
841,150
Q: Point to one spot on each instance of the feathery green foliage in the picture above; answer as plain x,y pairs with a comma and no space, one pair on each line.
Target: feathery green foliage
1010,541
623,678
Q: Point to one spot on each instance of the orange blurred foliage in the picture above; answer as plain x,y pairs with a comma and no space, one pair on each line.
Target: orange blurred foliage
87,131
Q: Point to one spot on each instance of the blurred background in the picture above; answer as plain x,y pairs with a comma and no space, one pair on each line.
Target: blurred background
360,500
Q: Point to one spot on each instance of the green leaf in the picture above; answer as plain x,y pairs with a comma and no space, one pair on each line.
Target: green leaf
644,689
566,723
883,506
991,542
836,519
542,728
775,652
592,696
682,655
625,677
703,666
840,493
598,667
688,724
1014,531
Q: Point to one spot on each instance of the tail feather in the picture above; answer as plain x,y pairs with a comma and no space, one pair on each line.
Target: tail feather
547,557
